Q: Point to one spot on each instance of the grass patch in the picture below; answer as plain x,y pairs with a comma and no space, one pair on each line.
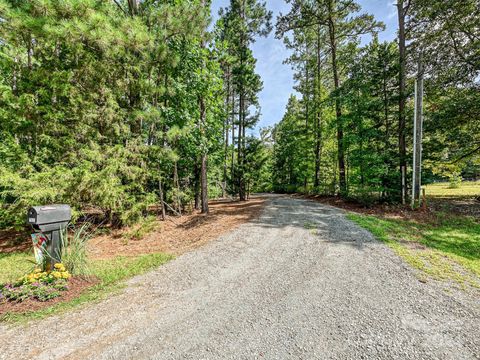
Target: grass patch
465,189
448,249
15,265
111,273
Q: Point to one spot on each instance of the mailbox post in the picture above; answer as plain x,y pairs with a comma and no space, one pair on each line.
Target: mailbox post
50,220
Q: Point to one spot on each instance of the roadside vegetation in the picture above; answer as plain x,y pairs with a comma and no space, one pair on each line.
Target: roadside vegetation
442,244
105,277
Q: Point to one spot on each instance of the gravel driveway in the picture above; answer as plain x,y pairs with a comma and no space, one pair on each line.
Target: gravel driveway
300,282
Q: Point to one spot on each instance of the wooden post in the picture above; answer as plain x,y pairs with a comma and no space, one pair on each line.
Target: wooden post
424,200
417,135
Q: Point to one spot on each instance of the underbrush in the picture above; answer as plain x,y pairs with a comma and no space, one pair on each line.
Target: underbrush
447,248
141,229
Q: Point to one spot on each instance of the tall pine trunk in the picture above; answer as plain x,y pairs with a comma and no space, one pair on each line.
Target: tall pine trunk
203,147
318,121
203,164
338,108
402,150
160,191
226,126
196,173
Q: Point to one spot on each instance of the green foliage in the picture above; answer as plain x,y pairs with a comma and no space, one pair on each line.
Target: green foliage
97,104
343,135
38,291
455,181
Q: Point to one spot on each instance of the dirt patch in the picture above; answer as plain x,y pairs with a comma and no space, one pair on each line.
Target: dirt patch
469,206
176,235
14,241
76,285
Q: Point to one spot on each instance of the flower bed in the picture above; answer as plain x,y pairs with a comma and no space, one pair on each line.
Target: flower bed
38,285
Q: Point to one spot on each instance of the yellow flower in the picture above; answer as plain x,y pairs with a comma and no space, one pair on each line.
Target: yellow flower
60,267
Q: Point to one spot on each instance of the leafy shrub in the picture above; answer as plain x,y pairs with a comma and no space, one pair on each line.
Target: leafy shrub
143,228
455,180
112,179
38,291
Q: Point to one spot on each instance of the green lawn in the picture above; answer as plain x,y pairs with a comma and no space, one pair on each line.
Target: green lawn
447,249
466,189
110,274
15,265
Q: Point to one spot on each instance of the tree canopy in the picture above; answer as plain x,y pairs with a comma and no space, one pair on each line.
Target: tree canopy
123,108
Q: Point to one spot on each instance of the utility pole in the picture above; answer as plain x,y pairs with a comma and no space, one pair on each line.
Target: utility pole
417,134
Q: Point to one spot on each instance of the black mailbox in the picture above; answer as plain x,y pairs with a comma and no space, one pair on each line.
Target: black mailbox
51,220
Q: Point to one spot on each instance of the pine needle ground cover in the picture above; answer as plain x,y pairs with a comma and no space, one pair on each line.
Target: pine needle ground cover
447,248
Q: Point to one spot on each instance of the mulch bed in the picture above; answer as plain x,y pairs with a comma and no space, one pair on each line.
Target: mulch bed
177,235
383,210
467,206
76,286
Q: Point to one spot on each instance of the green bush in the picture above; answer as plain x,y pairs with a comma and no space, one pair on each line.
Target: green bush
455,181
113,180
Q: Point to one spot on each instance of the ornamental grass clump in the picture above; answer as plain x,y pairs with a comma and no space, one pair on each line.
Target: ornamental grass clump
74,249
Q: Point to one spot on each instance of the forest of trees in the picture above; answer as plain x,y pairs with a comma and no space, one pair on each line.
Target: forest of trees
129,107
350,131
126,107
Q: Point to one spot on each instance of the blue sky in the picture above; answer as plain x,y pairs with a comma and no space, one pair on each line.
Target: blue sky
270,53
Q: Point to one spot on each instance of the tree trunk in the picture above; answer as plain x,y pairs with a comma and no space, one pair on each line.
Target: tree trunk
196,171
240,160
160,191
241,117
177,188
232,170
318,122
402,150
226,136
204,191
306,92
338,109
203,147
203,165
